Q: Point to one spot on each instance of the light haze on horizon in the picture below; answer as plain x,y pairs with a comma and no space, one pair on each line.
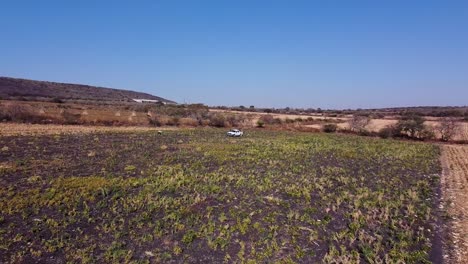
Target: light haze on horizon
328,54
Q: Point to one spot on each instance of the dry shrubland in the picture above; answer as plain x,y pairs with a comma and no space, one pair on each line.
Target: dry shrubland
411,126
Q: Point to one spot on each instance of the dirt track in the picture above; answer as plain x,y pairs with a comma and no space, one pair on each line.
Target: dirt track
455,194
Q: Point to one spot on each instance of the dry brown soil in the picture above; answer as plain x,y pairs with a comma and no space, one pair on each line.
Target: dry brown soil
455,194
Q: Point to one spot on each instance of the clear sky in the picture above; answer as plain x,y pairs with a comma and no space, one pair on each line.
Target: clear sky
328,54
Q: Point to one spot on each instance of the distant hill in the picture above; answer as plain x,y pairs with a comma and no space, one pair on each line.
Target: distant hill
21,89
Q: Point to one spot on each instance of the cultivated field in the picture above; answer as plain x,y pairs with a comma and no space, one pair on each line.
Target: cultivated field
197,196
455,193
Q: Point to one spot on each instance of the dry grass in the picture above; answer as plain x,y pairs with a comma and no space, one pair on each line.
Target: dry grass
455,193
377,124
463,134
84,113
257,115
9,129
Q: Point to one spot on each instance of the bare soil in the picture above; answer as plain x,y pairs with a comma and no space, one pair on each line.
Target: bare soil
455,194
196,196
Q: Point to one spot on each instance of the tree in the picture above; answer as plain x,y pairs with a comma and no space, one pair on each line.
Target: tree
359,122
411,125
448,128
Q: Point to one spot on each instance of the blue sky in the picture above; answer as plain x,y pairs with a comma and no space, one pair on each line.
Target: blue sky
328,54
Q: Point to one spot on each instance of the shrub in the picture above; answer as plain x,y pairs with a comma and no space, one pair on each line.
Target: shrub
364,132
204,122
159,120
218,120
57,100
235,120
21,113
70,118
426,133
4,115
387,132
173,121
329,128
448,128
260,123
377,115
411,125
187,121
154,121
267,119
359,122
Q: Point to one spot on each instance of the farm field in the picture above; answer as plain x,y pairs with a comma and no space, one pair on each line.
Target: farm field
455,194
197,196
18,129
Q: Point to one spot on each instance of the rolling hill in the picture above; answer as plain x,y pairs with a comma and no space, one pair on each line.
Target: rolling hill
24,89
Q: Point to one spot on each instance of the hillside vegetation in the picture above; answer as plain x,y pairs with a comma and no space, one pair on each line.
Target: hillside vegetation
23,89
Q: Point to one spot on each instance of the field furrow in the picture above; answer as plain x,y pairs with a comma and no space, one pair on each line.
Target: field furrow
455,192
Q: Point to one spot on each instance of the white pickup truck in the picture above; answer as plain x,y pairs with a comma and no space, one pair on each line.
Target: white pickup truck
235,133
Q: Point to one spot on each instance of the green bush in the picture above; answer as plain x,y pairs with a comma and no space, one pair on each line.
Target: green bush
330,128
260,123
412,126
